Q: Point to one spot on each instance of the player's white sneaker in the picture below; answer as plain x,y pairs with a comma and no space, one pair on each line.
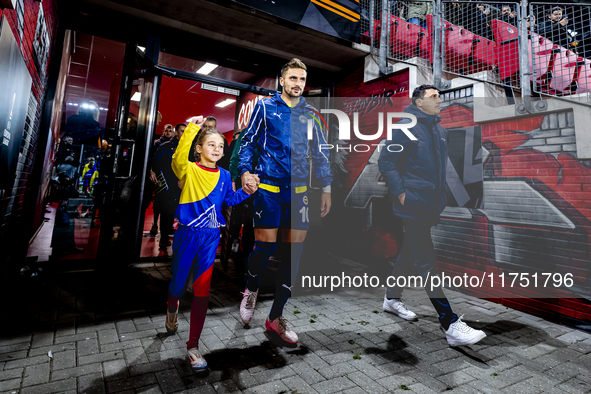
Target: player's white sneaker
249,300
196,359
460,334
278,329
398,308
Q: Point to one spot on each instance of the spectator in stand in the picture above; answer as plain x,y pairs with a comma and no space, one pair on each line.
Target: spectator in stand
417,12
454,13
473,17
555,29
508,16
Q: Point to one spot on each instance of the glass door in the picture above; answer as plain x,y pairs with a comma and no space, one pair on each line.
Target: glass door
127,156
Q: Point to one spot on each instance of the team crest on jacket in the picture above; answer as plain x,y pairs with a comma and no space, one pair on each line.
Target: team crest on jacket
306,200
302,119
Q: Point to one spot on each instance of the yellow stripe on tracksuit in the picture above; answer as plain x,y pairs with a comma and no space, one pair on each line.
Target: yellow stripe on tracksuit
275,189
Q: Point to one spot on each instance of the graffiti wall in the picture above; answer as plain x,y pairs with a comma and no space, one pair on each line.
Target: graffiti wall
518,201
34,26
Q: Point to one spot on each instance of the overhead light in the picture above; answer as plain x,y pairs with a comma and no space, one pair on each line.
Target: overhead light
225,103
136,96
143,49
207,68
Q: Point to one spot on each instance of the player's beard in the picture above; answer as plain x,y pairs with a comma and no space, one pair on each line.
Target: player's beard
291,94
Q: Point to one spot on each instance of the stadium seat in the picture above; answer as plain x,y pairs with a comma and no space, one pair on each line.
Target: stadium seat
484,54
407,37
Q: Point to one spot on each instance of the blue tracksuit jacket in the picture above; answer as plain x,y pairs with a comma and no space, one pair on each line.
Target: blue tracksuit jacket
279,134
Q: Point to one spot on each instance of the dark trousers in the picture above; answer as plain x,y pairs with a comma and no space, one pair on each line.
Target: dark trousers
417,249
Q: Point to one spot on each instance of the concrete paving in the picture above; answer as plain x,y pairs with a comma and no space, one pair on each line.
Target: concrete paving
79,333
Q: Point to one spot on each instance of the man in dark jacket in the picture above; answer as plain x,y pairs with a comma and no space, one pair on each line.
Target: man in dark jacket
167,191
415,173
555,29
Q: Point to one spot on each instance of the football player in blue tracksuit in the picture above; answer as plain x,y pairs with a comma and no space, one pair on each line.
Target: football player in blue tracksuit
278,131
416,178
204,187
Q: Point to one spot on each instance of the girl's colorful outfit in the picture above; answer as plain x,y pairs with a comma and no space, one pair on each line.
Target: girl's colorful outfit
199,214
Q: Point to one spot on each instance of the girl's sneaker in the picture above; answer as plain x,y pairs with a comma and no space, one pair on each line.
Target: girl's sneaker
197,361
172,320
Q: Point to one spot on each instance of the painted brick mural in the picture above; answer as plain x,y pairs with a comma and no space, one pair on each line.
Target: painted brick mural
533,214
34,25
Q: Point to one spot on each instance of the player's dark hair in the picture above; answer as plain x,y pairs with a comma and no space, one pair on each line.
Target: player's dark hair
419,92
201,138
212,118
176,128
293,63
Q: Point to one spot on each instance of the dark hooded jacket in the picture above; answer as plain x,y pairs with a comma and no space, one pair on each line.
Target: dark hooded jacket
418,169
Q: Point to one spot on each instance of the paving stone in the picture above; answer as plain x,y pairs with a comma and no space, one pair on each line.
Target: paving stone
368,384
228,386
131,383
108,336
43,351
36,374
15,340
75,337
10,384
138,335
87,347
115,369
335,385
110,347
342,369
454,379
170,380
13,356
91,384
124,327
307,373
74,372
25,362
156,366
54,387
42,339
101,357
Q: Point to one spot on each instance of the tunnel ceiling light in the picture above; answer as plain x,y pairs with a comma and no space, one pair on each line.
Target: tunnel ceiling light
225,103
136,96
207,68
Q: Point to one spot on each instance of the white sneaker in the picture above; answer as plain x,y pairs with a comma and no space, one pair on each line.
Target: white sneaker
460,334
249,300
172,320
398,308
196,359
278,328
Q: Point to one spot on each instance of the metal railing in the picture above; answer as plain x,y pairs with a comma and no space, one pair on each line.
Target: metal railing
538,48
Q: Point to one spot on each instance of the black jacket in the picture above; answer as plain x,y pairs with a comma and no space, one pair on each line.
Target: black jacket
556,33
419,170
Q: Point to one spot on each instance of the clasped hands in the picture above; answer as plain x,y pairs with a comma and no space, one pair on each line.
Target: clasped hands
250,182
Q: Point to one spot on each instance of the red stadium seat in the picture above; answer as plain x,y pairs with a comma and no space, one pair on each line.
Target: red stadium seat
458,48
407,37
426,44
582,79
565,64
484,54
506,37
543,51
